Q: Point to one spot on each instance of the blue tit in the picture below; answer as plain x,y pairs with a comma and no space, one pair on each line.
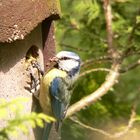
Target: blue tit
56,87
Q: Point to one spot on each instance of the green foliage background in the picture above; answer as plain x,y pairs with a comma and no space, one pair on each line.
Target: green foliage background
82,29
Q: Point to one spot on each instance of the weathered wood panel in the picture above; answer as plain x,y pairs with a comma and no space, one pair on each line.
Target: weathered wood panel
20,17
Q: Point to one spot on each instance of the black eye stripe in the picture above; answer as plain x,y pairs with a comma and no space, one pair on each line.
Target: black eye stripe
67,58
64,58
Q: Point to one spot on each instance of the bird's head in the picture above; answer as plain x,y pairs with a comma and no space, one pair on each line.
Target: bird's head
68,61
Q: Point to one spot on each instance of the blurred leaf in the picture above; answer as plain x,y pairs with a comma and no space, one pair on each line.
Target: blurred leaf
20,122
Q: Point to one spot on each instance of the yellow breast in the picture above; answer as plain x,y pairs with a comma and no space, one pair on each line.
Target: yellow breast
44,96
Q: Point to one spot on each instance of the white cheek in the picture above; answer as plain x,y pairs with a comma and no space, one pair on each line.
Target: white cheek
68,64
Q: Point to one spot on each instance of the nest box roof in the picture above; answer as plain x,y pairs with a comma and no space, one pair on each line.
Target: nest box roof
20,17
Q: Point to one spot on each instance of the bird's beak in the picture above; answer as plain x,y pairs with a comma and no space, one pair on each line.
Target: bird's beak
54,59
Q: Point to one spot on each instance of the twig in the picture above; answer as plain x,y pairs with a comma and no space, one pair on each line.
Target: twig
115,135
129,126
131,53
95,60
130,67
93,70
91,128
130,38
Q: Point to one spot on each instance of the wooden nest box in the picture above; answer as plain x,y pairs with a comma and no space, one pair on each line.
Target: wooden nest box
24,25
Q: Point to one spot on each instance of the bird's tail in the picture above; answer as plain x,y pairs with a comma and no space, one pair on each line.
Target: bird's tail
46,131
58,126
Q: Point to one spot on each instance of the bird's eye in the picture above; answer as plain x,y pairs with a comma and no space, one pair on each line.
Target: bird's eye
64,58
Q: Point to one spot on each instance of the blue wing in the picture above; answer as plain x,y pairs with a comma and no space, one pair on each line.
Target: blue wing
60,96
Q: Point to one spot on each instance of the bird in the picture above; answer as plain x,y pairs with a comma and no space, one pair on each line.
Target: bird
34,71
56,88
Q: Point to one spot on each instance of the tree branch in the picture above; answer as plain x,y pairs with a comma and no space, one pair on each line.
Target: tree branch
108,17
111,79
91,128
126,69
113,75
115,135
130,67
93,70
